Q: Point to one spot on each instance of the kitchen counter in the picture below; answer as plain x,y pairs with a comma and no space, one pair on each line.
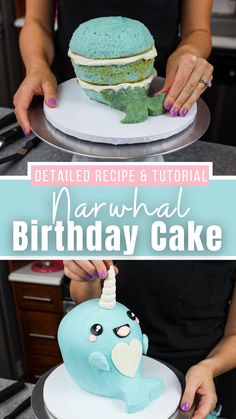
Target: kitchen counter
227,42
10,404
27,275
222,156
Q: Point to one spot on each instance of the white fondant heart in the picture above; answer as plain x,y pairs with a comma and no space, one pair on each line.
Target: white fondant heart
126,357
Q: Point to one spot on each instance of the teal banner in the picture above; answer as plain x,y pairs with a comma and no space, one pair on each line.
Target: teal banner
117,221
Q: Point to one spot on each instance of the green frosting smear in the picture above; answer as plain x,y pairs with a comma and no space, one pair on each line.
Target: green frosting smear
135,102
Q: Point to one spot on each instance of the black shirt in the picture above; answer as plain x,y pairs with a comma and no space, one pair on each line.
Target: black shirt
182,305
162,18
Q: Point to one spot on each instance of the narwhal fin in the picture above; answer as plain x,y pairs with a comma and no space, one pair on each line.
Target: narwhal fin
155,104
136,111
99,361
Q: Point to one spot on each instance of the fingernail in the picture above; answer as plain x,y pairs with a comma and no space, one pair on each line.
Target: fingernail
52,102
168,106
116,270
166,90
102,274
26,132
185,406
88,277
184,112
175,112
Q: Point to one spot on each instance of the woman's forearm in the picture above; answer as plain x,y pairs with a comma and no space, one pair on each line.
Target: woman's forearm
83,291
223,357
197,43
36,46
36,39
196,27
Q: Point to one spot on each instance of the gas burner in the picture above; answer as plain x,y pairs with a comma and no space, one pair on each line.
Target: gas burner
47,266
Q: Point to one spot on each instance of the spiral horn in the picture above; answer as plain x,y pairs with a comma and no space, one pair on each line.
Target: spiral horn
108,297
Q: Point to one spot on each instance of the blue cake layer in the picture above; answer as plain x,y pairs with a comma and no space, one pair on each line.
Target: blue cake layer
111,37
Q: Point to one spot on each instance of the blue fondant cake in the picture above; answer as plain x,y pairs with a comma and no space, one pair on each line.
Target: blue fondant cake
102,347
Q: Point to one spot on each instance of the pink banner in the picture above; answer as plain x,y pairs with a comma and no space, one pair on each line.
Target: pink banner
107,174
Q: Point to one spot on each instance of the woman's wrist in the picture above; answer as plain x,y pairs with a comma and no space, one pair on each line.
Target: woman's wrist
37,66
186,49
197,43
83,291
211,365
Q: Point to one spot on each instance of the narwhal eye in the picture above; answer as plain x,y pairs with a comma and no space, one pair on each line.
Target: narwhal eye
96,329
131,315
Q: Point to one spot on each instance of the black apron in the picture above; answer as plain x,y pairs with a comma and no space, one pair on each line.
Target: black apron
182,305
160,16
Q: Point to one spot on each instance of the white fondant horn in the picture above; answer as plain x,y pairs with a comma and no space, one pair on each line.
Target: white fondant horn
108,297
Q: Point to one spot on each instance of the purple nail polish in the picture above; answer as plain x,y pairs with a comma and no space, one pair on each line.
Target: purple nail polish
26,132
184,112
102,274
185,406
52,102
88,277
168,106
175,112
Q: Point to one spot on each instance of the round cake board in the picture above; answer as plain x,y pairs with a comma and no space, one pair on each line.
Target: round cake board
65,400
78,116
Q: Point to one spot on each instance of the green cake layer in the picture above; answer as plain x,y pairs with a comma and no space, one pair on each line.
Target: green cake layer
115,74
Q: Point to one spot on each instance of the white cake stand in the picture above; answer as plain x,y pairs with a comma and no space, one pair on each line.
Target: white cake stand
78,116
56,396
92,131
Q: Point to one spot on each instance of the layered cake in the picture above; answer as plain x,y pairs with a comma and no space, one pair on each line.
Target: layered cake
113,59
102,346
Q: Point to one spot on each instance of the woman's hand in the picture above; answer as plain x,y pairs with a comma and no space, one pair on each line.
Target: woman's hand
183,74
200,383
37,82
87,270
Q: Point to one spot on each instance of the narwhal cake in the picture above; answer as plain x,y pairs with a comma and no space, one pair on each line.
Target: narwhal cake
113,58
102,346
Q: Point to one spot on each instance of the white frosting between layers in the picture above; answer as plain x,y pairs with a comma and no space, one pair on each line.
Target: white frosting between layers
80,60
116,87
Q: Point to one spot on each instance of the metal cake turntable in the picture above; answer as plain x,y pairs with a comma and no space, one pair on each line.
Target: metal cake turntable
85,150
